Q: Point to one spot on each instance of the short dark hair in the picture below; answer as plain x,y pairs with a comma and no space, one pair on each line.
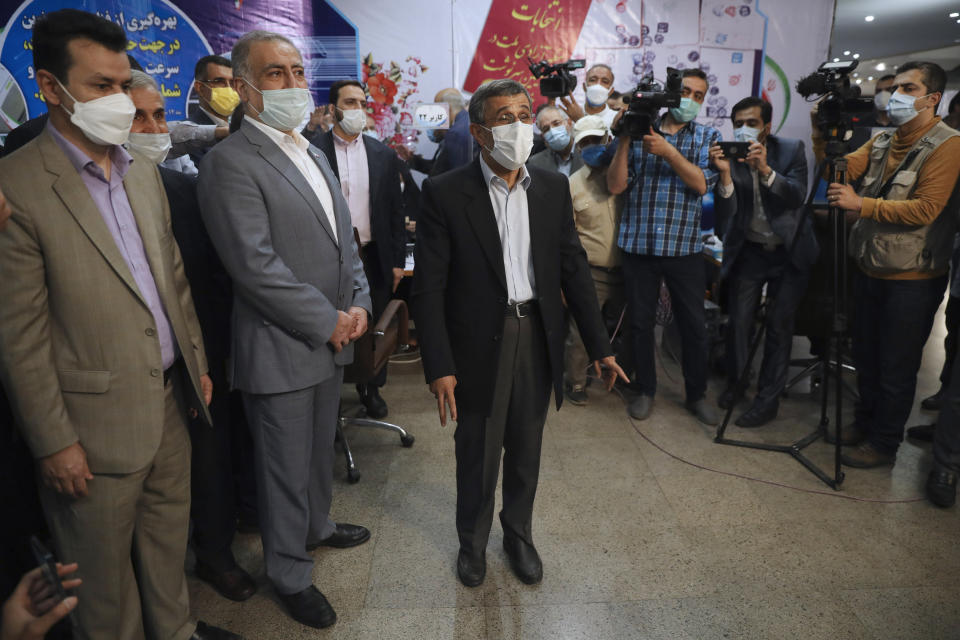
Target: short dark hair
954,101
934,77
200,69
53,32
695,73
766,109
493,89
889,76
340,84
134,65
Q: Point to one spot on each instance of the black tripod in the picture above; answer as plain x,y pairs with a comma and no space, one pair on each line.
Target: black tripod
837,165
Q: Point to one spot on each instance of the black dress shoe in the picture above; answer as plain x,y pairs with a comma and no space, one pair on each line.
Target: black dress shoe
524,560
309,607
942,487
470,570
933,402
370,397
209,632
346,535
757,416
234,584
922,432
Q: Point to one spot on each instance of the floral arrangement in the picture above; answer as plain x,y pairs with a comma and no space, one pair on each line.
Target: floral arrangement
393,93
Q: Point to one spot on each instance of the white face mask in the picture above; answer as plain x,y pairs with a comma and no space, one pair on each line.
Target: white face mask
746,134
353,121
284,109
511,144
155,146
881,99
597,95
105,121
901,108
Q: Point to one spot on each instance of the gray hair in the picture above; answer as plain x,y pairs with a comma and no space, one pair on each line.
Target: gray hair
549,109
141,80
493,89
241,49
601,66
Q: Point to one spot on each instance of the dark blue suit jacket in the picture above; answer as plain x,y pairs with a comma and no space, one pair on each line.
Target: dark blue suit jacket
783,203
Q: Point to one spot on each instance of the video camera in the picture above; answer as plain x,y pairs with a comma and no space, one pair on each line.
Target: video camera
556,80
645,103
842,99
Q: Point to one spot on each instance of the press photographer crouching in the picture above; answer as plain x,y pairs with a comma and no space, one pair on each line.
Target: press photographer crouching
902,243
759,211
665,173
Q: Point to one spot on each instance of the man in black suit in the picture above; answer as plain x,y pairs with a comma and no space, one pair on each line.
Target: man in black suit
369,173
759,208
213,507
496,246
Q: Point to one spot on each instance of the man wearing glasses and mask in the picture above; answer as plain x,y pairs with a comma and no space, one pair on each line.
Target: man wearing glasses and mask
209,121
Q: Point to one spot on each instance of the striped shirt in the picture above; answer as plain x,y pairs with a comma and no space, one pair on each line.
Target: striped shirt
662,214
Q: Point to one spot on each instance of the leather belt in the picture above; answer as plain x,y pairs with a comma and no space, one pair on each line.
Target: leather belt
610,270
521,309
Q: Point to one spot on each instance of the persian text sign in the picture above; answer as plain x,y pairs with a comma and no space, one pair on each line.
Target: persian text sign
512,34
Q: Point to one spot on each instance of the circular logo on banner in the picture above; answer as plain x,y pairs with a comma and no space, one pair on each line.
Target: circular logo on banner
165,42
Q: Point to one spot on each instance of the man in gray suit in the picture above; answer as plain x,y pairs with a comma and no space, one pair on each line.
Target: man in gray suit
557,132
279,221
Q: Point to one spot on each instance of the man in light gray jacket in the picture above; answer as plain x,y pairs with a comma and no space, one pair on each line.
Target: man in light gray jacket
275,213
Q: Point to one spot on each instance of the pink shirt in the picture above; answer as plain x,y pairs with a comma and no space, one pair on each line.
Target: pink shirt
355,181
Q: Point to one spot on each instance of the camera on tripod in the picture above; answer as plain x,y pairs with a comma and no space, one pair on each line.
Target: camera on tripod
556,80
645,103
842,99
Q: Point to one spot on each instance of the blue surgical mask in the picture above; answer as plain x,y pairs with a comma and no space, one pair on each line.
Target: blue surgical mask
687,111
593,155
901,109
557,138
434,136
746,134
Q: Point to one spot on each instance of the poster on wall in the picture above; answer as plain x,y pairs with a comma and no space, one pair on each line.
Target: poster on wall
167,38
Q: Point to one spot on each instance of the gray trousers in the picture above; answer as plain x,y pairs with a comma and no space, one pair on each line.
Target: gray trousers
129,535
515,428
293,437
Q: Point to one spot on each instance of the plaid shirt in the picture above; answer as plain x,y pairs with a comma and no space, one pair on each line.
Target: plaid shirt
662,214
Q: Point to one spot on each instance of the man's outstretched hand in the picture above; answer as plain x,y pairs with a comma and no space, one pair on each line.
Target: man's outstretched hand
442,389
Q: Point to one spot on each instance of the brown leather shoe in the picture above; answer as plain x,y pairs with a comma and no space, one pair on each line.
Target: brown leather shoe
866,456
234,584
851,435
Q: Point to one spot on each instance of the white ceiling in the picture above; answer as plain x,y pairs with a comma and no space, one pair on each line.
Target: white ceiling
899,29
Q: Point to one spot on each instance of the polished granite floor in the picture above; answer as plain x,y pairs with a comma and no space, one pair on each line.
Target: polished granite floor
723,542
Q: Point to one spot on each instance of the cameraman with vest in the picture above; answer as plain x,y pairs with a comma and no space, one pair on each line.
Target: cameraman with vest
901,243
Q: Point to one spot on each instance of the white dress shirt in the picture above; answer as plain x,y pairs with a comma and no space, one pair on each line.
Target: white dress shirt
513,223
297,148
355,181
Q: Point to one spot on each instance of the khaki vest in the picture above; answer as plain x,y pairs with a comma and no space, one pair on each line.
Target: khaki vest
888,248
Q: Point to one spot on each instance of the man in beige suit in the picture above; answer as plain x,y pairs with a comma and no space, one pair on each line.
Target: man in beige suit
100,348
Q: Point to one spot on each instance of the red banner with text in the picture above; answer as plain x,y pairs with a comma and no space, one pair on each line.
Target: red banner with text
513,35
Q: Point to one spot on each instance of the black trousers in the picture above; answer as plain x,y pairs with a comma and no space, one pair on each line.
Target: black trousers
220,490
380,294
892,322
786,285
685,277
514,427
946,436
952,320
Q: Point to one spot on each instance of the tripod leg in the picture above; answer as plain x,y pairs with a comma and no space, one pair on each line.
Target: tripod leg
744,379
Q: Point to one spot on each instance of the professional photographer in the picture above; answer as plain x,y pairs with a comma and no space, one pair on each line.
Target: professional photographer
759,209
665,174
902,243
597,89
